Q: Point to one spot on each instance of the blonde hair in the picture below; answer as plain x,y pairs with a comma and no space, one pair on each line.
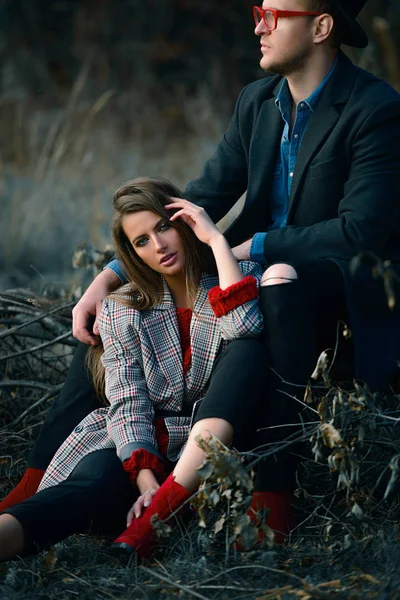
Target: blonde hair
145,286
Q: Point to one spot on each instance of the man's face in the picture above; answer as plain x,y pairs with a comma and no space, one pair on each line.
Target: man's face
286,49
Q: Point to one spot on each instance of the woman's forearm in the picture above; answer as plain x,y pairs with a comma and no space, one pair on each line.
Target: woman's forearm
228,268
146,480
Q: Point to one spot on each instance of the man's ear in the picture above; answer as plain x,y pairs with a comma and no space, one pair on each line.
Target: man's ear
323,27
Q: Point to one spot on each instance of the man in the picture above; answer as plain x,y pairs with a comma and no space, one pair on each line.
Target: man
316,148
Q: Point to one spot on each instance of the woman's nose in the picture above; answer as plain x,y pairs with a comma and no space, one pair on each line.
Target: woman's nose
160,244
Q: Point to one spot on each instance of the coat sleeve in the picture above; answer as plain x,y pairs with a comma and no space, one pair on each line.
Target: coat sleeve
224,177
130,420
369,211
237,307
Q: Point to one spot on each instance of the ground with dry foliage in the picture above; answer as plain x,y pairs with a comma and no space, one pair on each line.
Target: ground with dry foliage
345,546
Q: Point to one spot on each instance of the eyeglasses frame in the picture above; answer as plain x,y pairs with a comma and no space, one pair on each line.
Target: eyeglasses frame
258,10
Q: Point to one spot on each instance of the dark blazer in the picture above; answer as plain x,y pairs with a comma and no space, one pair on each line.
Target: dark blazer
345,194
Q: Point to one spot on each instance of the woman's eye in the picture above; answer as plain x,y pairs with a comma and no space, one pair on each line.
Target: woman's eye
141,242
164,226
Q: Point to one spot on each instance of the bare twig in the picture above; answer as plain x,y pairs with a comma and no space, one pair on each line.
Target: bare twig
56,340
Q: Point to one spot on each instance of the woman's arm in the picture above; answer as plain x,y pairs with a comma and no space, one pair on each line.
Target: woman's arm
235,300
130,419
237,307
208,233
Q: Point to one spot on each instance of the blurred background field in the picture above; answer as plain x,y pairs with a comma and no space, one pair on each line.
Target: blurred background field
93,93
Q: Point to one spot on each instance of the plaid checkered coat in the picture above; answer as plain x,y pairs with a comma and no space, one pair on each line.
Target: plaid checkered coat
144,374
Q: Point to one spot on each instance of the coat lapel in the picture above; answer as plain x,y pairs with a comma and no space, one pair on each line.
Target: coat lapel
205,337
263,153
162,328
322,121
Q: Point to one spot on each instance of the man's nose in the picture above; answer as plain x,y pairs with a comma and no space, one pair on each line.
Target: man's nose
261,29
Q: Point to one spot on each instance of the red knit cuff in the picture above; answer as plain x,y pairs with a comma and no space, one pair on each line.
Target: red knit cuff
142,459
162,436
223,301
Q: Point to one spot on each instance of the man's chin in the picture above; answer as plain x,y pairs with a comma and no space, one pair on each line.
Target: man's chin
268,67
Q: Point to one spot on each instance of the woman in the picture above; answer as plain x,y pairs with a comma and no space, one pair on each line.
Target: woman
175,368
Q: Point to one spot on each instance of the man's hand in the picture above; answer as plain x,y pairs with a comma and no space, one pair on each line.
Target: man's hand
242,252
90,305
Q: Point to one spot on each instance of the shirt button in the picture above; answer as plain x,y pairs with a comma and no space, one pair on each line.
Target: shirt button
291,174
302,105
296,135
78,429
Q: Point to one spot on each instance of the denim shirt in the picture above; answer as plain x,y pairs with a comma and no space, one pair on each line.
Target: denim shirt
285,165
286,162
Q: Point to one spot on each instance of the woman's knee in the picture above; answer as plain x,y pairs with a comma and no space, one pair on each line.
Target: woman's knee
101,467
279,273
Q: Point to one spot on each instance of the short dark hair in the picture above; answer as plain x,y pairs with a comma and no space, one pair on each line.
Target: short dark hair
328,6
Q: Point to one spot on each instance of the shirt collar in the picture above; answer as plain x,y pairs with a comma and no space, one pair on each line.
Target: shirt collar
284,99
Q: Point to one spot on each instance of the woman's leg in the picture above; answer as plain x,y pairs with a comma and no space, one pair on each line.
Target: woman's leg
95,498
76,400
11,537
235,389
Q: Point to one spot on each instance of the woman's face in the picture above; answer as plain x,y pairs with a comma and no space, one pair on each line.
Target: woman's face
156,242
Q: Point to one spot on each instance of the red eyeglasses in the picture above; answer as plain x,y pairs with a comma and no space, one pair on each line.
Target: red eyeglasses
270,16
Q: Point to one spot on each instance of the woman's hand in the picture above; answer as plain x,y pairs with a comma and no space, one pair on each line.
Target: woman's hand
142,502
197,218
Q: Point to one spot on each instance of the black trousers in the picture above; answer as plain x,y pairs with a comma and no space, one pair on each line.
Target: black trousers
300,320
95,498
97,495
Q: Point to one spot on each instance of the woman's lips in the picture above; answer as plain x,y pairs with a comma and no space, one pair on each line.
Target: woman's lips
168,260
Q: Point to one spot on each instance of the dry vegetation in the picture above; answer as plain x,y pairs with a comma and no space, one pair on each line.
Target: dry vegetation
62,155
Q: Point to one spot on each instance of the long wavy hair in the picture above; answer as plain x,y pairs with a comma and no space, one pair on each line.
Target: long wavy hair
145,287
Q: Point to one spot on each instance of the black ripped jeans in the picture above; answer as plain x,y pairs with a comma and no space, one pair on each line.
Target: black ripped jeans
300,321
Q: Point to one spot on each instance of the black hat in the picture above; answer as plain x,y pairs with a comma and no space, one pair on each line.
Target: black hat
346,12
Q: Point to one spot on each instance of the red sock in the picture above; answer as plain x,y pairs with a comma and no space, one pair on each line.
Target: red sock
280,516
26,488
278,506
140,535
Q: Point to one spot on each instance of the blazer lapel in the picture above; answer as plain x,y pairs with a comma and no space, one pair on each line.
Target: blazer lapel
322,121
205,338
162,330
263,153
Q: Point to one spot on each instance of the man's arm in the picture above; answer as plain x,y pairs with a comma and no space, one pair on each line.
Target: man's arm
90,305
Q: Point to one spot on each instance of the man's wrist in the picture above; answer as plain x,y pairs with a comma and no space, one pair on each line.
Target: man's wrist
116,267
257,248
109,279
